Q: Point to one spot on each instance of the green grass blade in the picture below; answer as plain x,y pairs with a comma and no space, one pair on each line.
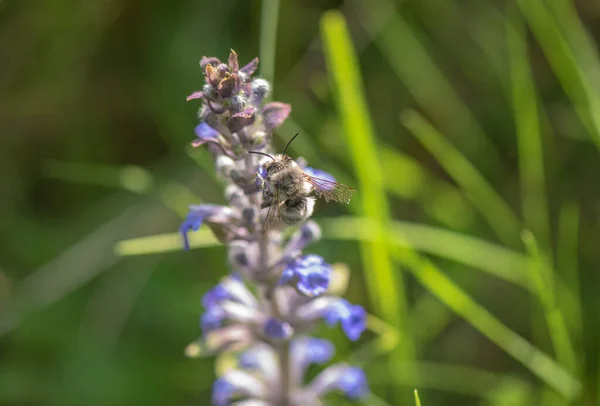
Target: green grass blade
577,36
387,339
384,284
417,400
498,261
562,59
452,378
462,304
426,82
428,318
531,161
406,178
567,263
483,196
481,255
543,282
163,243
132,178
268,38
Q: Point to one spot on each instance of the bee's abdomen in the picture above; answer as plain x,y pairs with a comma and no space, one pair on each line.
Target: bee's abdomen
297,209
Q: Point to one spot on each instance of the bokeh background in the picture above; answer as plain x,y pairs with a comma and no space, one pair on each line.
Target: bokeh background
486,115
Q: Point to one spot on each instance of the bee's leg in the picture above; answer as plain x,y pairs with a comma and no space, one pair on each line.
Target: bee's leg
268,200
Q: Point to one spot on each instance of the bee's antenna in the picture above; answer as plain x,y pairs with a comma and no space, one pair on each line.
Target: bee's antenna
289,142
261,153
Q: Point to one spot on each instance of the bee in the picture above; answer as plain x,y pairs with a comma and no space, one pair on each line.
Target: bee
289,190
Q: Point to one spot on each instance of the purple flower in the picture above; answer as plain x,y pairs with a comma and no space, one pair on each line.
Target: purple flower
212,319
353,318
312,350
192,222
275,114
256,312
236,384
217,216
353,383
250,67
309,274
214,296
310,231
205,133
277,329
241,119
223,392
249,359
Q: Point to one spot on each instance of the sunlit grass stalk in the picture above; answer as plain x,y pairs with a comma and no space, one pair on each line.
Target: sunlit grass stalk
268,38
385,283
417,399
475,253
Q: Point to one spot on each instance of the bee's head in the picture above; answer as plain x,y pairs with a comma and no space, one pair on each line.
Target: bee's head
277,164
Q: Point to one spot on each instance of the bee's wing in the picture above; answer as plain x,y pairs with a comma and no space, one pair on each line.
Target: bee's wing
330,190
272,217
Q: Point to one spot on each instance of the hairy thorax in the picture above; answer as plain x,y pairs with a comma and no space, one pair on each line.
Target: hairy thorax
285,177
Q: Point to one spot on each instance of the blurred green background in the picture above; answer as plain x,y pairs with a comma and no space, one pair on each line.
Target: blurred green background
471,129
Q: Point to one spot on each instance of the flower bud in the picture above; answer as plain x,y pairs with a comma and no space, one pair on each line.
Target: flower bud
242,255
224,165
238,102
260,90
277,329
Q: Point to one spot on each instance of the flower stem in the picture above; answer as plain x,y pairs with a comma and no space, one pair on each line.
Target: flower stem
284,372
270,300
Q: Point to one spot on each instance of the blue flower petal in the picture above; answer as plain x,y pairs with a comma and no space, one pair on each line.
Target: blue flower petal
212,319
223,392
318,351
206,132
277,329
353,318
192,222
310,275
353,383
214,296
249,359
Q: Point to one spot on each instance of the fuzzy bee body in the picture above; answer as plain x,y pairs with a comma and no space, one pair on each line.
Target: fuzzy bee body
288,189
